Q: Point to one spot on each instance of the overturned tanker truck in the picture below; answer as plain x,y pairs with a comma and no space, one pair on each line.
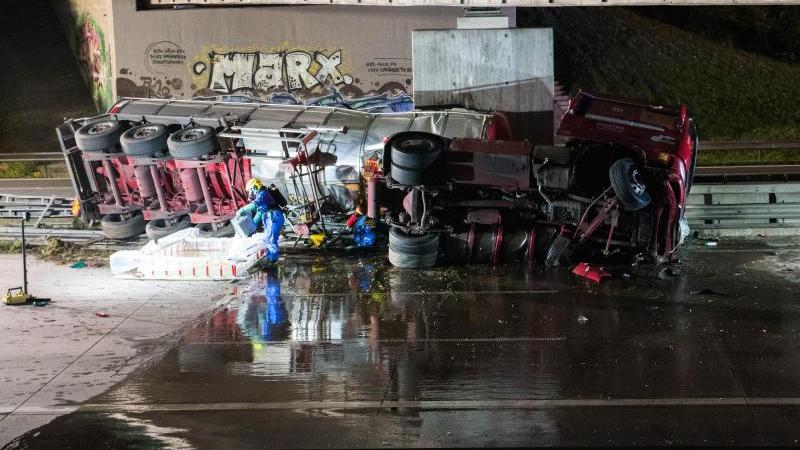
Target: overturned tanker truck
451,185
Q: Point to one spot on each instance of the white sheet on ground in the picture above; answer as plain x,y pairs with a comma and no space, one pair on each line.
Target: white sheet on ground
184,255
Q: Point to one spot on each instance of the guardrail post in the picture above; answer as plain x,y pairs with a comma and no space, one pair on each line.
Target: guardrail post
44,211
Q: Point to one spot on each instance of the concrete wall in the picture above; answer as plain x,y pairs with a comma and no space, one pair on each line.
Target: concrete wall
257,51
486,3
89,29
509,70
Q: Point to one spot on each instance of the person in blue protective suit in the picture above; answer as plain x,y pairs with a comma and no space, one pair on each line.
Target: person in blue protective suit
363,228
275,314
267,212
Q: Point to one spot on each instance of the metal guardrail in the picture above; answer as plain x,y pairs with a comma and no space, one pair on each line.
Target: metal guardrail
744,208
32,157
726,173
63,234
749,145
12,205
745,211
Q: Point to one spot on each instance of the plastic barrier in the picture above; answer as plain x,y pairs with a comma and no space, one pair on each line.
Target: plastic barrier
186,256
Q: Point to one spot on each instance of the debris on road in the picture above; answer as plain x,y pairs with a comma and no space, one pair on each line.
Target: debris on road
667,273
594,273
582,320
707,291
101,314
62,252
80,264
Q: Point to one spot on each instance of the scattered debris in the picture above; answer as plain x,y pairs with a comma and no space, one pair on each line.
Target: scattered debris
626,275
12,246
582,320
316,239
711,243
62,252
707,291
594,273
80,264
101,314
667,273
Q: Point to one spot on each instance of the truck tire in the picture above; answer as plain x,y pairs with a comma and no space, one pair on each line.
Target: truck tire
626,180
206,230
100,136
405,261
410,251
416,150
115,227
144,140
158,228
192,142
560,252
413,177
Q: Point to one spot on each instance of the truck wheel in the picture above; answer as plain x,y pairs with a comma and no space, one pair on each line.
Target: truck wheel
144,140
101,136
114,226
207,230
192,142
560,252
410,251
628,185
416,150
409,177
413,177
156,229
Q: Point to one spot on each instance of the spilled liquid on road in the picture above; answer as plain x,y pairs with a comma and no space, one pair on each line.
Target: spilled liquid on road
349,352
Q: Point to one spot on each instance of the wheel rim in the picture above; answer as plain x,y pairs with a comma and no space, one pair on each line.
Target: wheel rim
145,132
637,185
419,145
193,134
99,128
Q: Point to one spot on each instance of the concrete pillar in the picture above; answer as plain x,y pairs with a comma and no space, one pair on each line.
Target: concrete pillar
508,70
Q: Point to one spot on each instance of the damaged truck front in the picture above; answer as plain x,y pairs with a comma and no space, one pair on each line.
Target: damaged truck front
450,184
618,186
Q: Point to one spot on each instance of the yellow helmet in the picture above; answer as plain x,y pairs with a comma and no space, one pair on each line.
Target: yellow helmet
254,184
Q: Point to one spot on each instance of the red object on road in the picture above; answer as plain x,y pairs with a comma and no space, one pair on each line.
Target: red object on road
594,273
351,222
101,314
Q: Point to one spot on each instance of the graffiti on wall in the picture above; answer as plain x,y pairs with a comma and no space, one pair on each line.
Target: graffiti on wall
287,72
257,73
95,58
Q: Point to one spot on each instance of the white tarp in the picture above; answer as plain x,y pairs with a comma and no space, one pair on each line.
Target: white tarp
185,255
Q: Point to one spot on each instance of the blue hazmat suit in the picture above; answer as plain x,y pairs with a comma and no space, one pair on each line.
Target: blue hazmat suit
267,212
364,232
275,313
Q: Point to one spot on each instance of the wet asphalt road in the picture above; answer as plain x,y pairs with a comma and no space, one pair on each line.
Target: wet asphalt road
347,352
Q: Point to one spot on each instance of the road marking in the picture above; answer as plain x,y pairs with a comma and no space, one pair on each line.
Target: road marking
413,404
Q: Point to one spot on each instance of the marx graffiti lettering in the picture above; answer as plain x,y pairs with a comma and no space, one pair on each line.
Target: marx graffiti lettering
260,72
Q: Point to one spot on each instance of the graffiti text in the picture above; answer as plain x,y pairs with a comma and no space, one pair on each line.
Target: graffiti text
262,72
